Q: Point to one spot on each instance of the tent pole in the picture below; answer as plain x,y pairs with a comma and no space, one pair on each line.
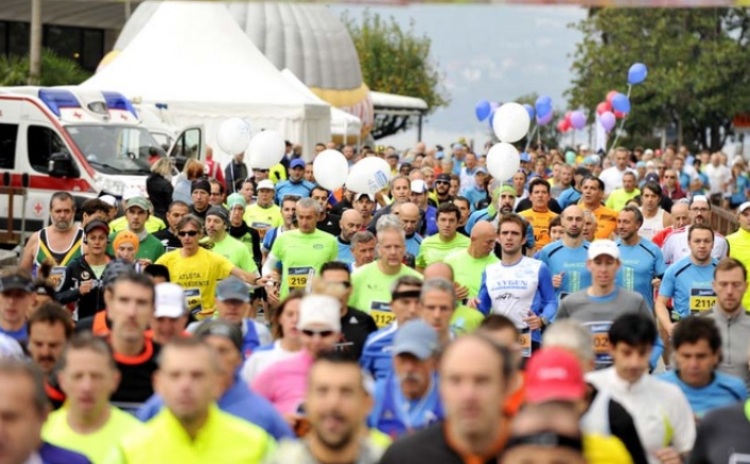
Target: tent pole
419,130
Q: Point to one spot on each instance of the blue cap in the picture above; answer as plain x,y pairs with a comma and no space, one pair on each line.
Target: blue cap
640,164
296,163
457,146
439,154
233,288
415,338
525,157
480,169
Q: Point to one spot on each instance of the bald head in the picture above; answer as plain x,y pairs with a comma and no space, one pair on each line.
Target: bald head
440,270
409,215
572,221
351,222
351,215
483,239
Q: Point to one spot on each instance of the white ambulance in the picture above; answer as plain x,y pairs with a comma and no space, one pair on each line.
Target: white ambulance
86,142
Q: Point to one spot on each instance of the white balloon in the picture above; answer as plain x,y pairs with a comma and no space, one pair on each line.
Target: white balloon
369,175
511,122
266,150
233,136
503,161
330,169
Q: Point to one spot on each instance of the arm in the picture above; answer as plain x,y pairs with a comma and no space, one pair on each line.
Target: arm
250,278
662,313
27,259
270,265
485,302
546,294
622,426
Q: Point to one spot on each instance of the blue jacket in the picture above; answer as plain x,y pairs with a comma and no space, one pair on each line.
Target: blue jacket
238,401
52,454
376,355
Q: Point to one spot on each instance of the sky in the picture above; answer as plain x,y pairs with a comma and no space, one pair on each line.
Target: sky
493,52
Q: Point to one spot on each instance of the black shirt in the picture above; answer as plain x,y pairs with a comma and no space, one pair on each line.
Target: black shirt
200,214
355,327
168,239
330,224
137,375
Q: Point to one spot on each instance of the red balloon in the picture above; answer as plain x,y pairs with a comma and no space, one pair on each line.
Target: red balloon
603,107
611,95
563,126
620,114
568,114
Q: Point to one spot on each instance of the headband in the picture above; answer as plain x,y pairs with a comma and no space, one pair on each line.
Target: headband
406,294
546,440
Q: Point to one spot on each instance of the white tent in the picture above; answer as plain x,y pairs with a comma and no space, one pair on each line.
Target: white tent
342,123
195,58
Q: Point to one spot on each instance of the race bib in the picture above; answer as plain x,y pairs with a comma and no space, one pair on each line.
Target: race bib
193,300
701,300
600,338
298,277
57,277
524,340
382,313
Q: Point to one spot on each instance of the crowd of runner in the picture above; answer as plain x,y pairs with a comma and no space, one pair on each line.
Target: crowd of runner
585,310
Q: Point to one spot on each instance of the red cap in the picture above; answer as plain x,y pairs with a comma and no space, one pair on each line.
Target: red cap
554,374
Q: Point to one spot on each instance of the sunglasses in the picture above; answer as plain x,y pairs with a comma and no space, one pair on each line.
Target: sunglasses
345,284
322,333
446,182
187,233
261,170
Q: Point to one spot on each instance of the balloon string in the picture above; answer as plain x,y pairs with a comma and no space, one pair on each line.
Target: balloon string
531,137
622,124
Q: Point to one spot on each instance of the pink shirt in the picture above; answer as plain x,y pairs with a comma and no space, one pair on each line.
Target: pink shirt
284,384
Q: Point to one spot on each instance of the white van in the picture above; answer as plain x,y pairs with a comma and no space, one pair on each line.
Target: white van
86,142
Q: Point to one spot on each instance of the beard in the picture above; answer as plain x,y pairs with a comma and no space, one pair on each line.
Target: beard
61,225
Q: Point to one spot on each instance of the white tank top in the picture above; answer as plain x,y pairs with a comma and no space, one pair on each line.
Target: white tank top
652,225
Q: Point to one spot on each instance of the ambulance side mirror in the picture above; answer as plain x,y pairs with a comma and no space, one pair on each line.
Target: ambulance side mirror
61,165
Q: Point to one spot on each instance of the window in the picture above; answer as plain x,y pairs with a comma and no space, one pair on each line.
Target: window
42,142
8,134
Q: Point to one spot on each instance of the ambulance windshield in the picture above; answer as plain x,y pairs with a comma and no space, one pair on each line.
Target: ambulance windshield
115,149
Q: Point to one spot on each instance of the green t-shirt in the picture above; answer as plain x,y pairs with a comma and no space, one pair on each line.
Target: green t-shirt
371,291
433,249
98,446
619,198
153,224
466,320
302,255
236,252
468,270
149,248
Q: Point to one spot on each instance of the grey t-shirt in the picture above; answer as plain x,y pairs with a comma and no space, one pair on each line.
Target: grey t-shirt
598,313
722,437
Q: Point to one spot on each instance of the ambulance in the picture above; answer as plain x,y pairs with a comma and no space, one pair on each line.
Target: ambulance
86,142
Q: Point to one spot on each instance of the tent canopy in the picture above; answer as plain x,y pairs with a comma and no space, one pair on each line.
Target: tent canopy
194,57
342,123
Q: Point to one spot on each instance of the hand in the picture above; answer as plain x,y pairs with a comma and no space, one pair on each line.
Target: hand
473,303
655,283
144,262
557,280
670,328
534,322
461,291
86,287
668,456
272,295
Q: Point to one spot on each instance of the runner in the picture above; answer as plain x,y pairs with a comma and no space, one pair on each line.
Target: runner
566,259
539,215
137,213
16,300
217,227
676,245
592,189
437,247
168,236
264,215
655,218
351,223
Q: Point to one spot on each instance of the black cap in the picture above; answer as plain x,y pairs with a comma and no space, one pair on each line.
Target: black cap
201,184
94,225
220,328
16,282
114,269
220,212
445,177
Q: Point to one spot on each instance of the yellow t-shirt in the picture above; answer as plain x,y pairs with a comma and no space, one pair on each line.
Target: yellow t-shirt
96,446
540,223
739,249
605,450
198,275
606,221
263,219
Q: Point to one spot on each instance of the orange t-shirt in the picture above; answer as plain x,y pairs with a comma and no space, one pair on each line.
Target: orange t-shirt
515,400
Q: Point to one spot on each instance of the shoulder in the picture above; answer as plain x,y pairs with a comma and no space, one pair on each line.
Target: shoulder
731,382
52,454
380,335
411,445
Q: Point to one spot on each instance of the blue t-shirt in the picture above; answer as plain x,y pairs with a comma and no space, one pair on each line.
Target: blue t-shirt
724,390
21,335
285,188
475,195
413,244
741,186
640,264
397,416
569,196
570,261
376,355
690,286
345,252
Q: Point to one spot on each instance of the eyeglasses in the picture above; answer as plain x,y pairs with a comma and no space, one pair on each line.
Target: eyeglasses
700,210
261,170
344,284
187,233
322,333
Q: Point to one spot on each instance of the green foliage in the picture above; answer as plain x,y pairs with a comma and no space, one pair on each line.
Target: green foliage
698,61
56,70
394,60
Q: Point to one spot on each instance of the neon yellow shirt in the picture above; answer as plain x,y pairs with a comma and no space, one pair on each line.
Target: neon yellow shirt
277,173
467,270
372,291
222,439
605,449
198,275
97,446
466,320
434,249
739,249
619,198
153,224
236,252
263,219
302,255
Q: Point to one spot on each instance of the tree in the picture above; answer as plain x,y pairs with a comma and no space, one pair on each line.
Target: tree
699,68
56,70
396,61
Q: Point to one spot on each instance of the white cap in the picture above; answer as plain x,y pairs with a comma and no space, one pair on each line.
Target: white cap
743,207
603,247
109,199
170,300
357,196
418,186
320,309
648,151
265,184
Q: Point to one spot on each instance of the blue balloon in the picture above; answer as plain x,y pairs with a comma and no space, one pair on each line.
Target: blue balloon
530,110
637,73
621,103
543,106
492,116
482,110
